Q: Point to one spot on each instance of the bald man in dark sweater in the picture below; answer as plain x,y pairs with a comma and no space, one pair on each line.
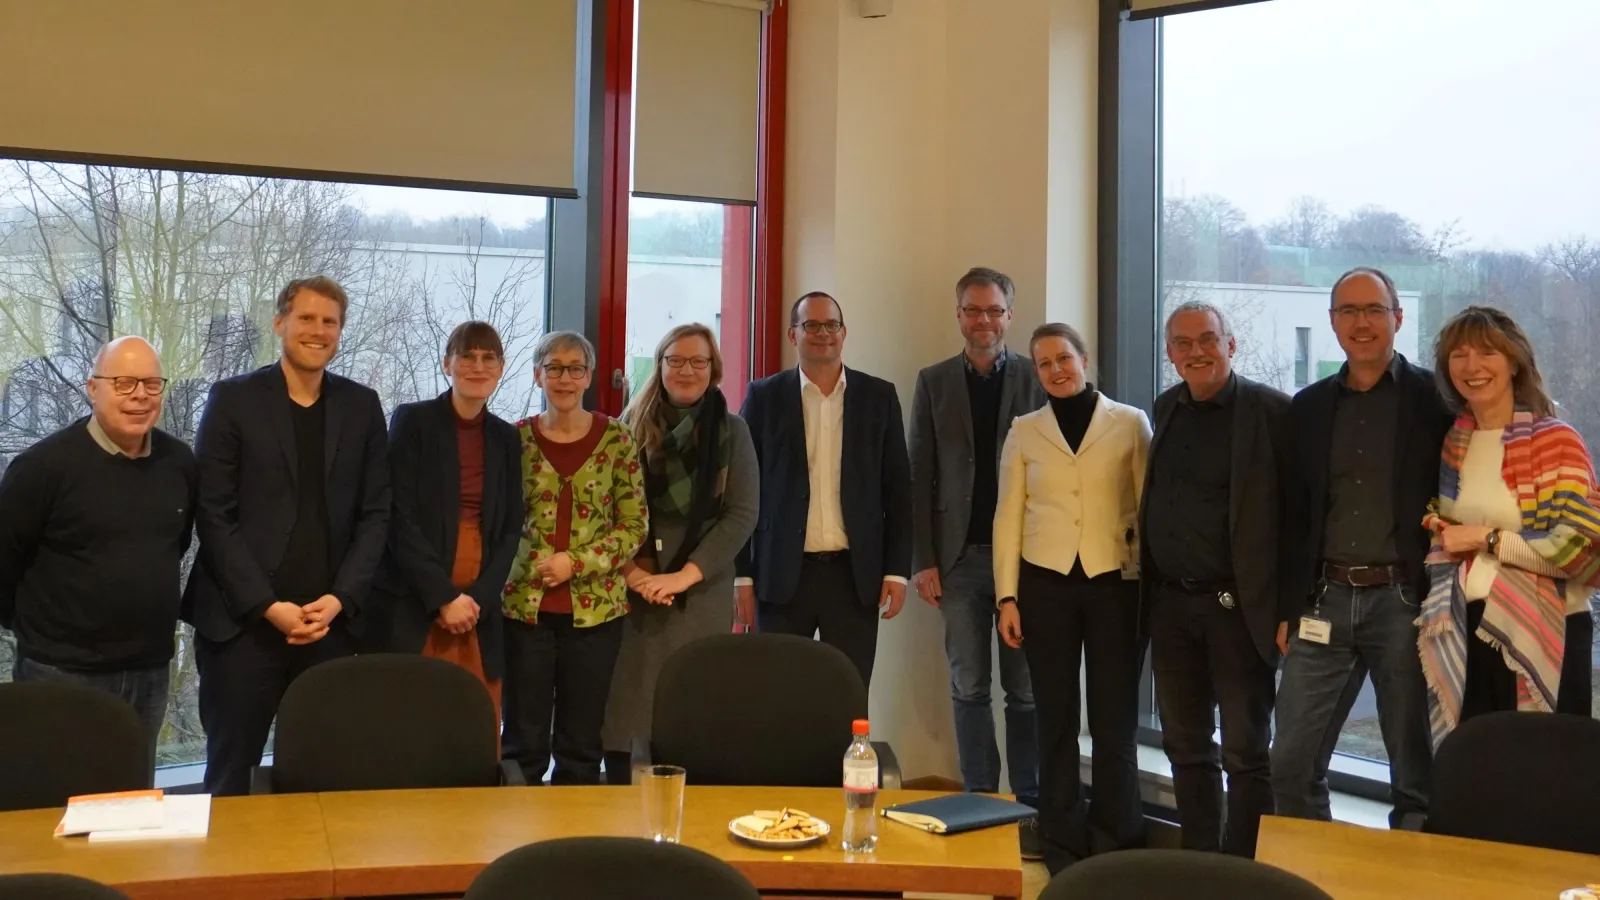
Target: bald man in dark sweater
94,523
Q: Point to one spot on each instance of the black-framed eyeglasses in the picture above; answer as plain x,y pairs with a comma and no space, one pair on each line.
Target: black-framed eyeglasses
1351,313
994,313
832,326
693,362
556,370
124,384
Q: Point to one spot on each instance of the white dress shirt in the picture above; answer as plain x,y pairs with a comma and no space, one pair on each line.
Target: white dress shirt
824,421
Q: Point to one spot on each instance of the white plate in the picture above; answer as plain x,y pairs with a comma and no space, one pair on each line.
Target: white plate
733,829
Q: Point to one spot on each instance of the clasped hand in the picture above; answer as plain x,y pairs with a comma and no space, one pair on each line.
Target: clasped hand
304,624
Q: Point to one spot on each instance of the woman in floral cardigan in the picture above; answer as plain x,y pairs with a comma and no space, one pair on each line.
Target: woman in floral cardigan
586,516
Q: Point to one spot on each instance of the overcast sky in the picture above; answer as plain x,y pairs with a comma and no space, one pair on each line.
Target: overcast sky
1486,111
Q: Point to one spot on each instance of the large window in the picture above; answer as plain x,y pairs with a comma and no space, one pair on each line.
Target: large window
1451,144
194,262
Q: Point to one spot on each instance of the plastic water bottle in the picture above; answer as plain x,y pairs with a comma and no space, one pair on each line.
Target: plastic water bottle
860,791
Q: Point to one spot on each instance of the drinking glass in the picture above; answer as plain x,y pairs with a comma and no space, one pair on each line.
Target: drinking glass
663,802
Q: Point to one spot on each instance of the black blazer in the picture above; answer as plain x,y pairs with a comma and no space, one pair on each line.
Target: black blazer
1260,456
414,582
248,498
874,485
1423,421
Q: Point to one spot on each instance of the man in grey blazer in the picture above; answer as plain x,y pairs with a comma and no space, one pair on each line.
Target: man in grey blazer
1210,521
961,412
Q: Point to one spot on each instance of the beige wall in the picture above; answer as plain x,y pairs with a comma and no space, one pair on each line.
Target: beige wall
949,134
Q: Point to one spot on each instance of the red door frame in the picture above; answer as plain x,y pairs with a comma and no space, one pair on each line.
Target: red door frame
752,326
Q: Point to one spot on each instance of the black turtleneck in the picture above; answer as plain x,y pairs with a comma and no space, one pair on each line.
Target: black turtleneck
1073,414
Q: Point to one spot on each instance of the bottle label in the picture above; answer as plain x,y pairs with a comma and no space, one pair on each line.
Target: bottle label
860,778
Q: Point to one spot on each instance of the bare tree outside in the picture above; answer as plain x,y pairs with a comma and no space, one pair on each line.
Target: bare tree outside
194,262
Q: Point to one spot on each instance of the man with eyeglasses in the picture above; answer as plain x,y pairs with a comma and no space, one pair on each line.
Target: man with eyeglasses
1366,464
1210,524
94,523
293,518
832,546
960,414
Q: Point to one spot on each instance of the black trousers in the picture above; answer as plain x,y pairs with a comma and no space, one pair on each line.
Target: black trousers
1205,661
1491,687
558,672
242,681
1065,622
826,601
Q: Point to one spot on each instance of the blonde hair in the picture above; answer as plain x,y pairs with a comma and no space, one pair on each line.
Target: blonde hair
640,416
1487,328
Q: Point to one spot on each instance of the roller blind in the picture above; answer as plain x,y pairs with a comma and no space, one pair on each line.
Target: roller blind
696,97
472,92
1146,9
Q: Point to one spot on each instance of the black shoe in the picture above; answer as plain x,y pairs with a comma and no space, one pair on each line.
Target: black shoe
1028,837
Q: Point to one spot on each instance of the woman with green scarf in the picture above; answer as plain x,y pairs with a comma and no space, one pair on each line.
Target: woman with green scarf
702,487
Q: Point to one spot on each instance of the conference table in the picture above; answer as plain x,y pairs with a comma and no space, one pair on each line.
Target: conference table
431,842
1354,863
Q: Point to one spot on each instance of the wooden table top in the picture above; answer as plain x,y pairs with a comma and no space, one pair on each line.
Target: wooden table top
1355,863
386,842
258,848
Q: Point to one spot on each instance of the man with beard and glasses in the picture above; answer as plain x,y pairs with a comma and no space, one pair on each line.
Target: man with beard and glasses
1210,526
293,519
1366,451
832,545
960,414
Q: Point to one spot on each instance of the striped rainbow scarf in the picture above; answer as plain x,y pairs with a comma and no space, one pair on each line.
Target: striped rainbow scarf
1524,616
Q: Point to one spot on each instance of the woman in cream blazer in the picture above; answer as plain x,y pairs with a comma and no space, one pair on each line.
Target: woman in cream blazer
1065,570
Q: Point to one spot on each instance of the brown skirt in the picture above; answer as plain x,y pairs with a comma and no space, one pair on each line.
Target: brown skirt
463,649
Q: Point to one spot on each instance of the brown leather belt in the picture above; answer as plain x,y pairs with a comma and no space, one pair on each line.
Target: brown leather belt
1365,576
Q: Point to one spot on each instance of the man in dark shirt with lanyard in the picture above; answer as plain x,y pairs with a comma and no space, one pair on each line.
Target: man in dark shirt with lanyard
1211,526
1366,449
293,517
94,522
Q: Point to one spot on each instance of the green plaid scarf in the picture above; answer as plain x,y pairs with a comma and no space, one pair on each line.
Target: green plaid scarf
674,477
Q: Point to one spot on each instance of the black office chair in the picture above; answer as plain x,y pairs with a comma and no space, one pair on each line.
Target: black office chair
1519,778
55,887
384,721
1190,874
615,868
760,709
62,740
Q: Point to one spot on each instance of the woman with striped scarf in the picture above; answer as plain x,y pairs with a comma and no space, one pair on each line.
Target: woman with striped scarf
1516,551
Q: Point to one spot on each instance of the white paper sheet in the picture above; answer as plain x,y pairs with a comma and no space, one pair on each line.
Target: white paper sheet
183,816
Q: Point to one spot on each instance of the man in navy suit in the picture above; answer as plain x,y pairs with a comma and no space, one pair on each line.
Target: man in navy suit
832,546
293,518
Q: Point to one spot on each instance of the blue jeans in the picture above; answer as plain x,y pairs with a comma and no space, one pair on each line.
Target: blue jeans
144,689
967,608
1373,632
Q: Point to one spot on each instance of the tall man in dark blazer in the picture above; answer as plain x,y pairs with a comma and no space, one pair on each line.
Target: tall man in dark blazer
960,414
832,545
1210,522
1366,449
293,517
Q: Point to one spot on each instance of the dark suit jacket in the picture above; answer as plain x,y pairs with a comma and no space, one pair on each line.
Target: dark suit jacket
942,464
414,582
1419,435
248,498
874,485
1260,455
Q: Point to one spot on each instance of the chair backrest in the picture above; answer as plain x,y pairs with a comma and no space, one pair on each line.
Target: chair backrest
1190,874
614,868
61,740
385,721
756,709
1519,778
55,887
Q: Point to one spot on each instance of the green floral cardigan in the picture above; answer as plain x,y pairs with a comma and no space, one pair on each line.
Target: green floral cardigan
609,523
